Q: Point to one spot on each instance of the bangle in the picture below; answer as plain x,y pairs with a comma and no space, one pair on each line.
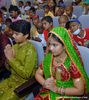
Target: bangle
62,91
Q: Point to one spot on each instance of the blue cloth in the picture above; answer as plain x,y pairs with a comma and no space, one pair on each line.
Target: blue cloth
74,20
30,97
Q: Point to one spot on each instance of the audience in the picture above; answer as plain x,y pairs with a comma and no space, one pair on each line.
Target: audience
14,13
63,19
41,15
35,22
81,36
22,58
69,12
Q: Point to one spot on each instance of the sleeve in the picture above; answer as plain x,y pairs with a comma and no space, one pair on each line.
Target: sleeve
75,73
25,70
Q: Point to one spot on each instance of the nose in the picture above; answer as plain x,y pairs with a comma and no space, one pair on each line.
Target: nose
51,48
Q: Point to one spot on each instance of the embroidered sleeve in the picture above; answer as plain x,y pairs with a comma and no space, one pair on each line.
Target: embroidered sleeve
74,71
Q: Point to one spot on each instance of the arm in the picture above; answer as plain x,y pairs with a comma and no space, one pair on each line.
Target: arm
39,76
46,83
78,88
29,63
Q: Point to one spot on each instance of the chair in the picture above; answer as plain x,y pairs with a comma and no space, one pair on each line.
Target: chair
68,2
30,85
55,22
84,21
40,13
77,10
39,49
85,57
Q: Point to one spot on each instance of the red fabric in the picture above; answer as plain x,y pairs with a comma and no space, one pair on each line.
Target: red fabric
45,32
38,97
41,67
74,71
3,42
65,73
81,41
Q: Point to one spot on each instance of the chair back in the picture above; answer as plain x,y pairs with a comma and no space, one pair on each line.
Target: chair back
77,10
68,2
84,51
39,49
55,21
40,13
84,21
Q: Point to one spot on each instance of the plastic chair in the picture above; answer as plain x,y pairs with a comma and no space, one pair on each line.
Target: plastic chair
40,13
39,49
55,22
84,21
84,51
68,2
77,10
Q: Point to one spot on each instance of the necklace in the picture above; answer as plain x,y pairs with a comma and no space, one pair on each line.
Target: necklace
57,63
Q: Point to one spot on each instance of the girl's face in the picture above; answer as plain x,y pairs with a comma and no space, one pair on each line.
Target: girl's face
55,47
36,21
46,10
27,12
19,37
31,13
46,25
68,10
13,14
62,21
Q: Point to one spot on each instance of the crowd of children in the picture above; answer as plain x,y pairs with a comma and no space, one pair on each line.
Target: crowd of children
40,25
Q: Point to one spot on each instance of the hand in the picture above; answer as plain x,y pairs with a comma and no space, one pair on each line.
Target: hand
54,89
86,43
9,52
50,84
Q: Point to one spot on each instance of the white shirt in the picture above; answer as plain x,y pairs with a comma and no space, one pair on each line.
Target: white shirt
41,36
